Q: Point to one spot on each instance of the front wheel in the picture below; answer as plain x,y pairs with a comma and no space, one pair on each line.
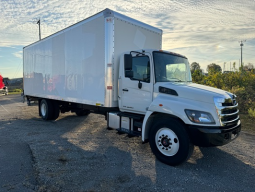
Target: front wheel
170,142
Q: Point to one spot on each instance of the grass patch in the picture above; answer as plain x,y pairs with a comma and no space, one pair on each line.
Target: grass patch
247,123
13,93
251,113
15,90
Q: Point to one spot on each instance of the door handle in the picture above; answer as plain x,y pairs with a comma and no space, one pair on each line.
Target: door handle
124,89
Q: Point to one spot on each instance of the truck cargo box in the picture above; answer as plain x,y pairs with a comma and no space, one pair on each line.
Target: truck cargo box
80,63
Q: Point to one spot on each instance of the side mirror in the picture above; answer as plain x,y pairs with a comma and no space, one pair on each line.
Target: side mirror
129,74
146,78
128,62
140,85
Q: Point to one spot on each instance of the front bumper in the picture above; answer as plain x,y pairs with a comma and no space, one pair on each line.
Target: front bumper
213,136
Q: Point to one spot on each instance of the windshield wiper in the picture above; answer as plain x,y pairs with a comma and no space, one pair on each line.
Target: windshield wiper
177,80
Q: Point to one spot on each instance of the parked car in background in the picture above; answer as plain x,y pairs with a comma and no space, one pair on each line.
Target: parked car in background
3,87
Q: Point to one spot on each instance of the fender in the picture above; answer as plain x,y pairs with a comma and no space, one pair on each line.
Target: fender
145,130
174,106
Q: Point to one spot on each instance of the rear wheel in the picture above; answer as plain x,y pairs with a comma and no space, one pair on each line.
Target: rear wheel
169,141
46,109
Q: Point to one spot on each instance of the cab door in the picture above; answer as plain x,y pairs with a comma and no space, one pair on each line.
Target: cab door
136,85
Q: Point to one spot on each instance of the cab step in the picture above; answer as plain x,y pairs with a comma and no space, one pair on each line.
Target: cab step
129,132
131,115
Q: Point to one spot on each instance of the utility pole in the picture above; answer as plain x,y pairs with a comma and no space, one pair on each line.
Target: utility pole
39,23
241,44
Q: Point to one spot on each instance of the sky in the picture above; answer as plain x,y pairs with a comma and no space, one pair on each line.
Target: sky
205,31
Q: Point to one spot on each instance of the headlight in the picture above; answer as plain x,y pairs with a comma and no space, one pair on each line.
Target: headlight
199,117
219,100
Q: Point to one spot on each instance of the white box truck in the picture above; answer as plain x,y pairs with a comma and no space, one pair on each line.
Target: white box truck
113,65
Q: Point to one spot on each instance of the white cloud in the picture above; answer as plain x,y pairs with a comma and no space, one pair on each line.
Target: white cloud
18,54
194,28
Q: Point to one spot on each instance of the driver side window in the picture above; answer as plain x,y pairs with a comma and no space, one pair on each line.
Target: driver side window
141,68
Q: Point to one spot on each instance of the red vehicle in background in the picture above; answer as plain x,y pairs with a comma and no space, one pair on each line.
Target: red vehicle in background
3,88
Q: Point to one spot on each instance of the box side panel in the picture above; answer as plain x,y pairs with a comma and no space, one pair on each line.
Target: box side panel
69,66
131,37
91,18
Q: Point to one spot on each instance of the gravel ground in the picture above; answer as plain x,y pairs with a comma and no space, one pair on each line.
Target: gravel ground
80,154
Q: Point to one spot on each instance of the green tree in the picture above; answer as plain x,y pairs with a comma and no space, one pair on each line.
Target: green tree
234,66
197,76
213,68
195,66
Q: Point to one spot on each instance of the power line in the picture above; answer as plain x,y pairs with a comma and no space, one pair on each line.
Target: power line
18,71
248,54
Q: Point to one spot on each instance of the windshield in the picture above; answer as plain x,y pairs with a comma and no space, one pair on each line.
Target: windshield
169,67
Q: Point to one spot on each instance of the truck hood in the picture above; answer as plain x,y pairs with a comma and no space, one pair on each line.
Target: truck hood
193,91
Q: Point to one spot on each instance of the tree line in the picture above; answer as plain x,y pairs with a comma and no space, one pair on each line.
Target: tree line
241,82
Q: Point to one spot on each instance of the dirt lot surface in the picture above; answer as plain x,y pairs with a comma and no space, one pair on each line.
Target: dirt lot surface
80,154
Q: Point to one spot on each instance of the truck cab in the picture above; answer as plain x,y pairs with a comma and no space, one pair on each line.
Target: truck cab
175,113
142,73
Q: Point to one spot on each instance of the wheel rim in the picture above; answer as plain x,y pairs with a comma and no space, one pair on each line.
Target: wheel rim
167,141
43,109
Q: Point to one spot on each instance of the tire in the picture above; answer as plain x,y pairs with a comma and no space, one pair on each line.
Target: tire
6,91
55,110
82,112
46,109
169,141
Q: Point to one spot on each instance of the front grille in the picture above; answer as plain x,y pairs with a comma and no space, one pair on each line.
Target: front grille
230,125
229,118
227,104
227,111
232,103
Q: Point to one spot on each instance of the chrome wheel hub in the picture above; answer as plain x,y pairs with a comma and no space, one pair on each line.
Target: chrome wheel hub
167,141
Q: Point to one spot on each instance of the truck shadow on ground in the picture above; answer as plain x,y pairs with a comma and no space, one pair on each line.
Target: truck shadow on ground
63,161
213,169
80,154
